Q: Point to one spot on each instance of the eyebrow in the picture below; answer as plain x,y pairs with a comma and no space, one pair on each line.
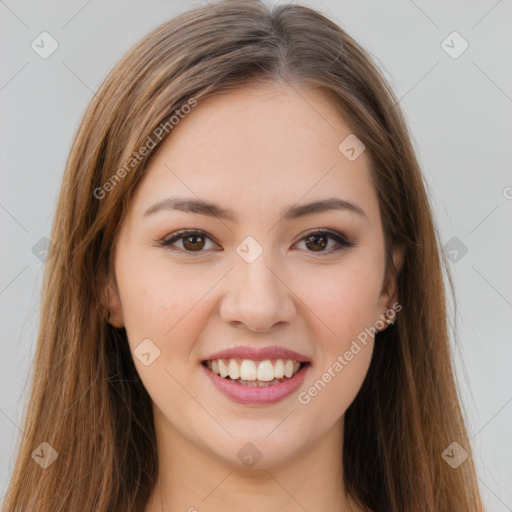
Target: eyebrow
201,207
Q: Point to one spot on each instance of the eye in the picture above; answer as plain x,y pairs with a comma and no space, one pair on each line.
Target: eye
194,241
318,240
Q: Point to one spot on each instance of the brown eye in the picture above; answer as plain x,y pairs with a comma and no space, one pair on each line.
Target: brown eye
191,241
317,242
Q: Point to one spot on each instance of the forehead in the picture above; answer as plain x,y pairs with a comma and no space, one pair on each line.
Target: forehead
260,147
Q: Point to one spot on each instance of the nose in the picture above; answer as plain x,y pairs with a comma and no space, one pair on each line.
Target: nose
257,296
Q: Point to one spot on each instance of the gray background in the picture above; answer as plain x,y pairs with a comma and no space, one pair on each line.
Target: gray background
458,109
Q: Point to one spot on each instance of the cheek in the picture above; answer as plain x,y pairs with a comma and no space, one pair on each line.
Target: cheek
164,304
162,311
343,309
344,297
148,293
343,352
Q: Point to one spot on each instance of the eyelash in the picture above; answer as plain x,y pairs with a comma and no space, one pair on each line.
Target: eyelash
179,235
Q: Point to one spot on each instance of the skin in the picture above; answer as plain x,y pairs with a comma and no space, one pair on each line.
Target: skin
257,151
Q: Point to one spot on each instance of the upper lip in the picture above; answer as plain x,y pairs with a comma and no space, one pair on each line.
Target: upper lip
258,354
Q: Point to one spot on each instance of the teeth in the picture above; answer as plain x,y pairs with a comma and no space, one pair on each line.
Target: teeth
234,370
248,372
248,369
288,368
265,371
257,383
279,369
223,369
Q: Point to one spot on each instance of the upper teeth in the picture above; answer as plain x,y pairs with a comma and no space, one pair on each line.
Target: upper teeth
246,369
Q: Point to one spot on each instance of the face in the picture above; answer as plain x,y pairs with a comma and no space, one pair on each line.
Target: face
258,272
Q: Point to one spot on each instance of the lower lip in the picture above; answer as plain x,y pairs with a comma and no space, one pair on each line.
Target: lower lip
257,395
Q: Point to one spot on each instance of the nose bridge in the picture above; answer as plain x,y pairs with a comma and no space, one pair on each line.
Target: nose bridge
257,279
255,293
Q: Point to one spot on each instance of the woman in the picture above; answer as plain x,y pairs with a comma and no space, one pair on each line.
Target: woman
244,307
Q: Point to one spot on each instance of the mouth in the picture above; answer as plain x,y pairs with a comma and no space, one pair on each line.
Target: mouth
255,373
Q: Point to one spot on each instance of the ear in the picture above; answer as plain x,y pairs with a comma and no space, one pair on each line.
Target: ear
389,292
112,305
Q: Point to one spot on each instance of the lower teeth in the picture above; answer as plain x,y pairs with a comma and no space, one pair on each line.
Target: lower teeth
256,383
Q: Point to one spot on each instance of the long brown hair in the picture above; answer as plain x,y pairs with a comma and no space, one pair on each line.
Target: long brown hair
87,400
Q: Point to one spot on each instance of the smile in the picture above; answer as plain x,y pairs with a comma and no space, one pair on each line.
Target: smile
251,382
252,373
